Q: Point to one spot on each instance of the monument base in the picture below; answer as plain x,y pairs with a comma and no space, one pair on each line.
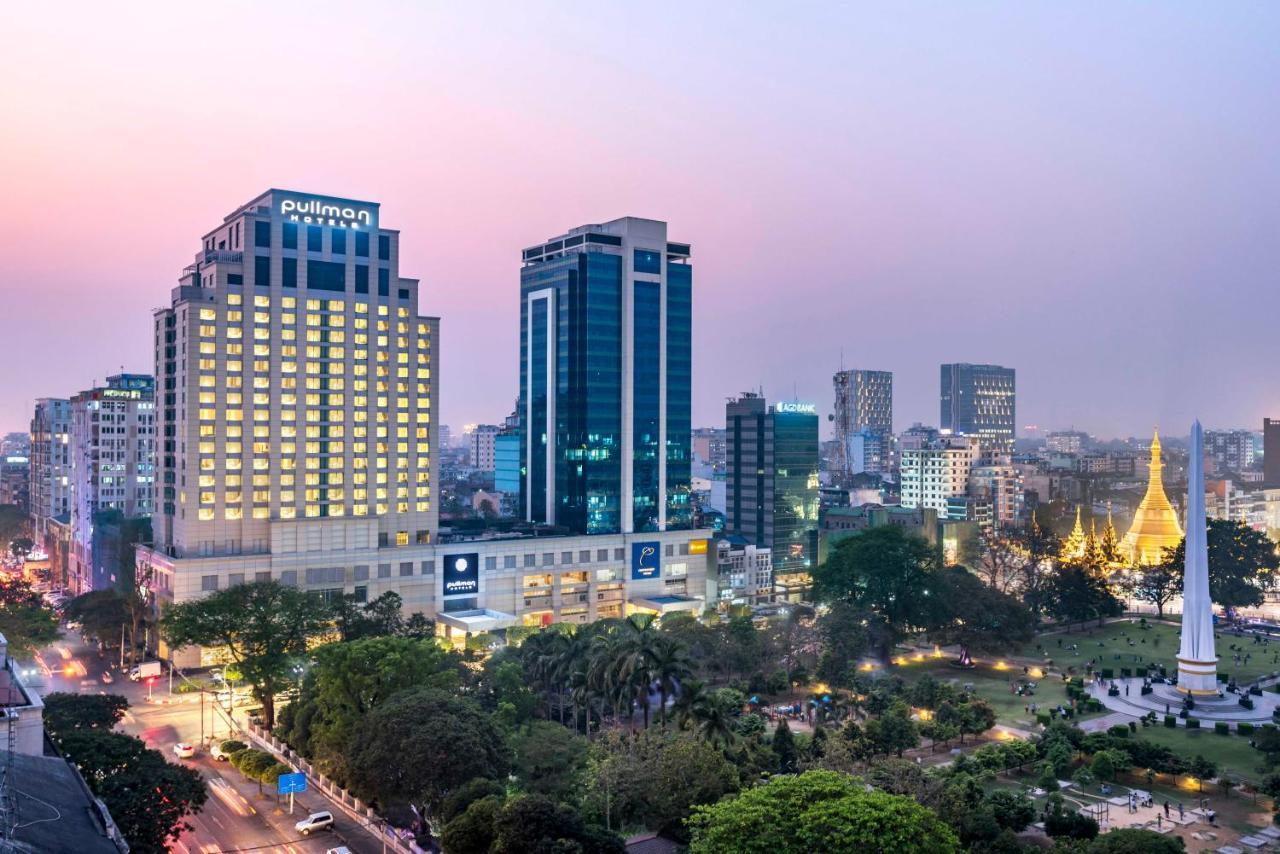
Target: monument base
1197,678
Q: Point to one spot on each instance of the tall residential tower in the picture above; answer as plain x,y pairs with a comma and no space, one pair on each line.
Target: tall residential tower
863,422
605,340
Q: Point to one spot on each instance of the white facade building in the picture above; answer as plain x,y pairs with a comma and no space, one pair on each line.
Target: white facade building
937,469
113,441
481,444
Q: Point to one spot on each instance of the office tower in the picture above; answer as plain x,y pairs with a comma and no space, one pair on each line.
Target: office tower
709,449
50,464
771,492
1271,452
934,469
112,458
296,375
863,422
605,326
481,446
980,400
1230,450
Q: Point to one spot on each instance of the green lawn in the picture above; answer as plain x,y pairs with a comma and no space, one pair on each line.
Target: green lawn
1231,752
1126,644
993,686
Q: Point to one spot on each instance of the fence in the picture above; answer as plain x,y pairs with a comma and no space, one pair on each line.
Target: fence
393,838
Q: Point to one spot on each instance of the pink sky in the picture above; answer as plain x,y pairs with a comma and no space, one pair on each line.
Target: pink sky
1090,198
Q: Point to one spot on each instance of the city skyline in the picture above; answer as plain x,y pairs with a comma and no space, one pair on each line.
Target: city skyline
1082,268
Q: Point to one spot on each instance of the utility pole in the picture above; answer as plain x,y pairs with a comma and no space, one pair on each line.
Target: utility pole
122,646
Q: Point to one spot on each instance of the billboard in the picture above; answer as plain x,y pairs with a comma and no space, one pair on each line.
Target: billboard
288,784
645,561
462,574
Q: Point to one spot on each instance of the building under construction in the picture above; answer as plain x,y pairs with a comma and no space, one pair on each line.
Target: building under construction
863,421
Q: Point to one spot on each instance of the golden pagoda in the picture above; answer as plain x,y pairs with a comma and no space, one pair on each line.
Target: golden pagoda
1073,546
1155,526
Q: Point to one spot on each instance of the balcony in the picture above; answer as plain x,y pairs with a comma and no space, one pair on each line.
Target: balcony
222,256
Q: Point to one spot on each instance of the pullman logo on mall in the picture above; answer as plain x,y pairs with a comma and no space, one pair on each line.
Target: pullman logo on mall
461,574
323,213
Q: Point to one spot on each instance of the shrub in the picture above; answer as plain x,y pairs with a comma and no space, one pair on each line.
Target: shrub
1193,723
1119,731
231,746
1146,689
1246,702
1042,718
1222,728
1133,726
1170,721
1244,728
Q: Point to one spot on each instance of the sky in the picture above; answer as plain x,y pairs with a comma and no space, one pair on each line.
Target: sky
1089,193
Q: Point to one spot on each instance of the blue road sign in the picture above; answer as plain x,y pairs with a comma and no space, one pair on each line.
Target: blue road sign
289,784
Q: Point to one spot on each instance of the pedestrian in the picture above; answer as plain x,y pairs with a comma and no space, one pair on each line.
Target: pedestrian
1181,812
1166,808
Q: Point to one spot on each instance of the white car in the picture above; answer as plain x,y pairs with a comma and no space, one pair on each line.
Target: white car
341,849
182,750
315,821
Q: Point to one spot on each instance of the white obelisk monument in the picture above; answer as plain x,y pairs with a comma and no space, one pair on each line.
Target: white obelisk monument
1197,660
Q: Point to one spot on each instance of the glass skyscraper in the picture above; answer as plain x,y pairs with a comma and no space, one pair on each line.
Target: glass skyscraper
771,486
605,345
980,400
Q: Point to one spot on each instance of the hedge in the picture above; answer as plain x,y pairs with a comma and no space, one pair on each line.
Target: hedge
1193,723
1042,718
1244,728
1119,731
1170,721
1222,728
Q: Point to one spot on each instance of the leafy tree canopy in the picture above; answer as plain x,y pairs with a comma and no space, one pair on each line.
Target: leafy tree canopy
818,811
264,627
25,621
65,713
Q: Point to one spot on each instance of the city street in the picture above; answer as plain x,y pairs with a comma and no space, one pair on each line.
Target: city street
236,817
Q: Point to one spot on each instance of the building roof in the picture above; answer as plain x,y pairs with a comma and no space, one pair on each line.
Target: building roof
651,843
56,812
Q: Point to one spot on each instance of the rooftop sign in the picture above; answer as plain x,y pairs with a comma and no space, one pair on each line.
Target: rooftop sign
324,212
796,408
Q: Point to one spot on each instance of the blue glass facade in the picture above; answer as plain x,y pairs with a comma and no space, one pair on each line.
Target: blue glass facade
574,311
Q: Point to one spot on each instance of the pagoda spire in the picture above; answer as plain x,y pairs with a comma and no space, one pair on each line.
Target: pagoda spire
1155,524
1073,545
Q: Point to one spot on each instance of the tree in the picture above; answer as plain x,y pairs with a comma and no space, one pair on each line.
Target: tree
818,811
893,732
653,779
1012,810
420,745
1202,769
471,831
65,713
783,744
101,614
845,638
263,626
348,680
148,797
702,711
1159,584
1242,563
975,617
1075,595
1108,763
378,618
26,623
20,547
1128,840
549,759
886,571
975,717
532,824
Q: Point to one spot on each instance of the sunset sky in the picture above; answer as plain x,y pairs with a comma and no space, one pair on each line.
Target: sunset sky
1089,193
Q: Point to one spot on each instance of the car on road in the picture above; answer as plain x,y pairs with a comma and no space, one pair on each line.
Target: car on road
316,821
107,678
183,750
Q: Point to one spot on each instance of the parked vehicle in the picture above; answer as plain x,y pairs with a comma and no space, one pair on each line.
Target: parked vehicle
183,750
315,821
341,849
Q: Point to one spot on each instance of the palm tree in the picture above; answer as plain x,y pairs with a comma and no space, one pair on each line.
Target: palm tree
699,709
670,667
633,644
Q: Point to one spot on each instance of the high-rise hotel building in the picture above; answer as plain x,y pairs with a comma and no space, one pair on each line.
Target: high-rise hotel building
50,464
297,389
980,400
605,341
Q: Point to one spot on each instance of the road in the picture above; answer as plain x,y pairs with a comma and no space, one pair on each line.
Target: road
235,817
